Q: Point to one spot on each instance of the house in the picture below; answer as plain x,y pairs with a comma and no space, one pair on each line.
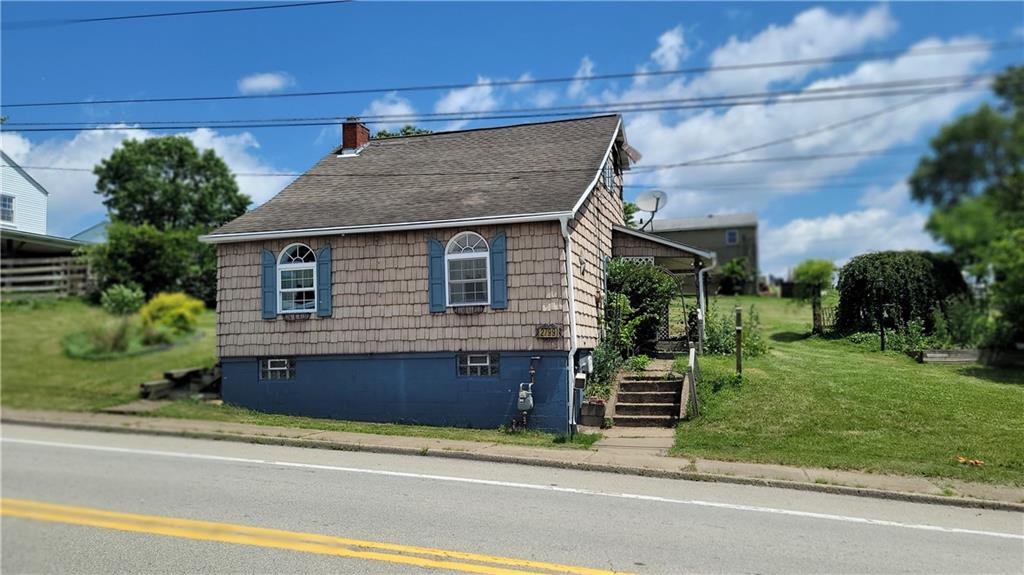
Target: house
33,262
730,236
422,279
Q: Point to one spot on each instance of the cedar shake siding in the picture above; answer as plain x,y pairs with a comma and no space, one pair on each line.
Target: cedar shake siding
380,301
592,243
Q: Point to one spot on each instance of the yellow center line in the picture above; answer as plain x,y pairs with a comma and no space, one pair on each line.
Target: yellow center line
279,539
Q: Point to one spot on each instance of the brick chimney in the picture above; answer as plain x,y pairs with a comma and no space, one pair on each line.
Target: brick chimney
354,135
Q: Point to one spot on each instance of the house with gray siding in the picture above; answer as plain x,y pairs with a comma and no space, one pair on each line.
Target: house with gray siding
730,236
422,279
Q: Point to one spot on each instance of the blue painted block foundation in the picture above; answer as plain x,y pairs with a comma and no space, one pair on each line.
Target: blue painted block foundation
417,388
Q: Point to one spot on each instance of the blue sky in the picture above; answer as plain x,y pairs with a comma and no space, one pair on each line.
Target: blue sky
826,208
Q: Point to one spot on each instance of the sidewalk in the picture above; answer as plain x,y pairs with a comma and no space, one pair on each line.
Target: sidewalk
635,451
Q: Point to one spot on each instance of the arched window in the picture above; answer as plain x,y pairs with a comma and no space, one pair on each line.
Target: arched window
468,269
296,286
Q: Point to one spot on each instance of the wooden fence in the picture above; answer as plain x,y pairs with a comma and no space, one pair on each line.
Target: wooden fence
42,277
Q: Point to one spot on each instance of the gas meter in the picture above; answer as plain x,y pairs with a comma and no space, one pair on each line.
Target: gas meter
525,402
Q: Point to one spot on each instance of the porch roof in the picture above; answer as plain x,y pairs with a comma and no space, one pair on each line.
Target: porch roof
627,242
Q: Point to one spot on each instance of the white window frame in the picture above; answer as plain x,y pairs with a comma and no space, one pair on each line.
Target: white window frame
448,257
486,363
6,221
293,267
267,365
735,235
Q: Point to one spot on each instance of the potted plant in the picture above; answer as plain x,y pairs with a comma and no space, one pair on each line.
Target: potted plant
592,412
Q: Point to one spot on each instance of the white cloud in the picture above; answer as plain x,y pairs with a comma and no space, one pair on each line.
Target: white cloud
478,98
814,33
390,105
671,49
668,138
840,236
524,77
544,98
265,83
577,86
892,197
73,205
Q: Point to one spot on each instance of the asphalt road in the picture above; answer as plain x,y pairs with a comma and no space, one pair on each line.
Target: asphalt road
67,495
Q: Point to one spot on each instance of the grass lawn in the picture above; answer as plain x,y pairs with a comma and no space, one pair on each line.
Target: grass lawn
35,374
831,403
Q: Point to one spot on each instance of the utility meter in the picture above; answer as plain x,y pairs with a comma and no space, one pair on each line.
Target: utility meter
586,363
525,402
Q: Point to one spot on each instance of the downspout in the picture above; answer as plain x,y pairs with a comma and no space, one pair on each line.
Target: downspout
570,375
700,294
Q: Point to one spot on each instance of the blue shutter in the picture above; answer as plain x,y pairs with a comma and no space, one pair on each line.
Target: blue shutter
499,273
435,252
269,285
324,306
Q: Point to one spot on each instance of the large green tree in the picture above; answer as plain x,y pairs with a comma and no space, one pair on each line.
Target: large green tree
974,179
169,184
161,194
812,276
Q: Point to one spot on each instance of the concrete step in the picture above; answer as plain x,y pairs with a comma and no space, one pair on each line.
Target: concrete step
664,409
644,421
661,385
648,397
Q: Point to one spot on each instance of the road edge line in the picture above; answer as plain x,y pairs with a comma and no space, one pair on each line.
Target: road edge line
906,496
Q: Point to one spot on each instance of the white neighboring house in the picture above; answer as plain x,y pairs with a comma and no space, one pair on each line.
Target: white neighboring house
22,199
33,263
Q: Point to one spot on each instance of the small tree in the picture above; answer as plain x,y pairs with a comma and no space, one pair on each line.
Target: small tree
735,276
629,210
811,276
407,130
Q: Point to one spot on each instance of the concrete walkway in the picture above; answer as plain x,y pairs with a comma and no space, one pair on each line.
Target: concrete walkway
638,451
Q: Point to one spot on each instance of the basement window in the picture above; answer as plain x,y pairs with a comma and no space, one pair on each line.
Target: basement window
478,364
277,368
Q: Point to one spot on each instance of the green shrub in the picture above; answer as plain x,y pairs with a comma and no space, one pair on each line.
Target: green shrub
122,300
720,333
650,291
102,338
965,321
155,260
908,286
638,362
176,312
607,361
735,276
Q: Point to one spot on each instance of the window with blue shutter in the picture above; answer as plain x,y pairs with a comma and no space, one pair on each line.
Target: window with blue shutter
324,305
499,273
435,255
269,284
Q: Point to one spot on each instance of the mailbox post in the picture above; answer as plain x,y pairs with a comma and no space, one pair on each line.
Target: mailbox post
739,340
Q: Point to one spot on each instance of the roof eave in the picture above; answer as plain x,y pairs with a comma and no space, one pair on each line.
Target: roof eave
380,228
706,254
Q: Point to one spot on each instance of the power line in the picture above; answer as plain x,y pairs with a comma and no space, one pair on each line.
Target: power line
653,167
65,21
827,128
482,116
851,57
883,89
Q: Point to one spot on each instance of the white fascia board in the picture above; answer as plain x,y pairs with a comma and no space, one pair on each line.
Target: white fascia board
377,228
597,176
665,242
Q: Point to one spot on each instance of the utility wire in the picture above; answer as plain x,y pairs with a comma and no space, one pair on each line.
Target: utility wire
653,167
65,21
883,89
717,158
851,57
527,115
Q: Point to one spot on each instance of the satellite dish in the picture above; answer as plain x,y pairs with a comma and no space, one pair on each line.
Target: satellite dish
651,201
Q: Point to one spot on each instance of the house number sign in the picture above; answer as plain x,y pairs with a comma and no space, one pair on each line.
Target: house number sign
549,331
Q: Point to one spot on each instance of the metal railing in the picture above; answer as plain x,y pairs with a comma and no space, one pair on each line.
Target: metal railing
688,394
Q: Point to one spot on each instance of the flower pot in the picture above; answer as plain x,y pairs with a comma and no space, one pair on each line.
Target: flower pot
592,414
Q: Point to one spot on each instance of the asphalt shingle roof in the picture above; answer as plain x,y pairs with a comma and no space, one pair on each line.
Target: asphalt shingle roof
490,172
